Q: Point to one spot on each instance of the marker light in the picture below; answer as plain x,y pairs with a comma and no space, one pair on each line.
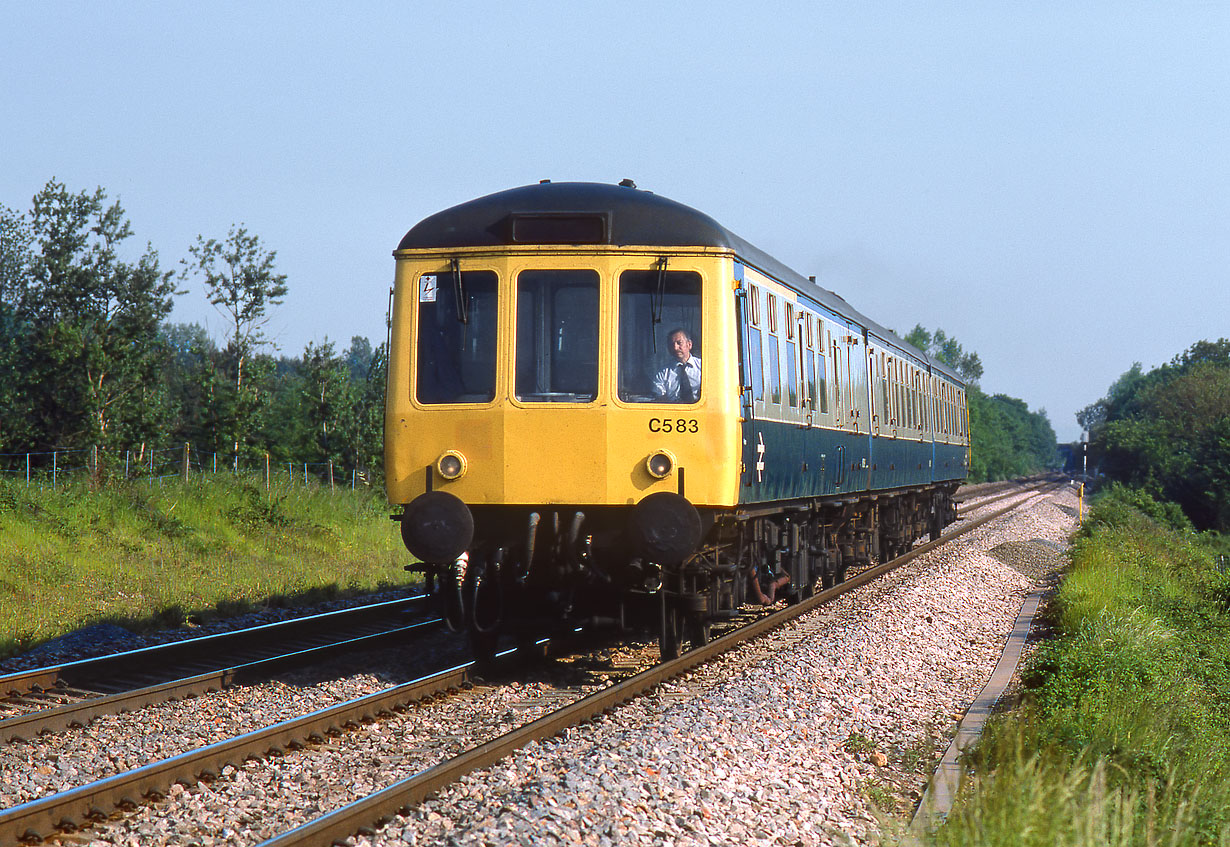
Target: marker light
660,464
451,465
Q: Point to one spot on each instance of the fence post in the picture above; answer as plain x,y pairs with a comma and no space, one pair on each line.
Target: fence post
186,454
305,474
330,475
127,457
54,469
27,470
266,471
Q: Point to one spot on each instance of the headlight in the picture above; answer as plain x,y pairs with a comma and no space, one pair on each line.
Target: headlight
451,465
660,464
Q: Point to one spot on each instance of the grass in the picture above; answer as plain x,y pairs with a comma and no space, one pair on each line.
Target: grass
145,556
1123,737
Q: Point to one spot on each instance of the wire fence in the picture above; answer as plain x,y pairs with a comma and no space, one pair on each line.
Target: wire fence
157,465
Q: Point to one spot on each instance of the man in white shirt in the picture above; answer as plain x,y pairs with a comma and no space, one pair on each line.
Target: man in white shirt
679,382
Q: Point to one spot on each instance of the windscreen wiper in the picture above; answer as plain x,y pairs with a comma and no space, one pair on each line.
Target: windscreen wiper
657,302
459,292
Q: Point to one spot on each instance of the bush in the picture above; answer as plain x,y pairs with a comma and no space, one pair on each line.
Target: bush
1124,733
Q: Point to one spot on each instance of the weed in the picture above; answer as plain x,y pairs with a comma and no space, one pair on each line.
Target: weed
1121,738
857,743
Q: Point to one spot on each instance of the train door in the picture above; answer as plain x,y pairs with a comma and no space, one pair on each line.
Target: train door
807,368
838,350
751,369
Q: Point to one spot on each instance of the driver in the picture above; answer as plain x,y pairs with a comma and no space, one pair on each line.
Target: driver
679,382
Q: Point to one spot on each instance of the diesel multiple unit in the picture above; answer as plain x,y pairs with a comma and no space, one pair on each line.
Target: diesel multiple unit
605,406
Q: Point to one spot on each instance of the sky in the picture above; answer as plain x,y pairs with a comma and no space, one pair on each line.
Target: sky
1049,182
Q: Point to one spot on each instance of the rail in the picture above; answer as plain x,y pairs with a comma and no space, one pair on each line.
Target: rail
70,810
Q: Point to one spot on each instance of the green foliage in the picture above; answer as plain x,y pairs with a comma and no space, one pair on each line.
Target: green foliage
1119,505
78,324
240,280
1168,432
948,350
1006,439
1125,729
87,362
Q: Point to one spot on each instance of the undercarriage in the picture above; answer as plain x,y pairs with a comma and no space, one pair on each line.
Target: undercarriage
530,572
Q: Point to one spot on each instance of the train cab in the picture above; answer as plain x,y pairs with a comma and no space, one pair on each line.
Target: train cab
584,384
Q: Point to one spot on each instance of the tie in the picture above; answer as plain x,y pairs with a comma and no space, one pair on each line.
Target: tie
685,384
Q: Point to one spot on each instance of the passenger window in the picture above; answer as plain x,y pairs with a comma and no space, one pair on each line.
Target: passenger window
755,362
653,306
557,336
821,381
792,372
774,366
455,354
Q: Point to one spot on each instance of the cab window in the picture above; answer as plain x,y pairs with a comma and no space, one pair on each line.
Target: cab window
557,336
455,355
654,306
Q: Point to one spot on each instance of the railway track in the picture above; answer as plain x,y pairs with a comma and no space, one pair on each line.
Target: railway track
54,698
70,810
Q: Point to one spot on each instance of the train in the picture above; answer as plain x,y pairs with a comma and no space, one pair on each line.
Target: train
605,408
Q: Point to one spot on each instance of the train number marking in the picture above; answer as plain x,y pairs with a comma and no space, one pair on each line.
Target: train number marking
674,425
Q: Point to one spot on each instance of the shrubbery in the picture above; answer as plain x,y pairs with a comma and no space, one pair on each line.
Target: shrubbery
1168,432
1124,733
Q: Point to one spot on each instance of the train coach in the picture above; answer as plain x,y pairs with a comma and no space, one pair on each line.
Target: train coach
605,407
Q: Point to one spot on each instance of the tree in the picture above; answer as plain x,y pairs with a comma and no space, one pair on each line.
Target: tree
240,281
340,398
330,401
948,350
1170,436
14,277
193,382
92,322
15,241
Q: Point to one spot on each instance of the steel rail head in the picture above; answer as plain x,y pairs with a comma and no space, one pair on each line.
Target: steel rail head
62,717
45,816
94,667
347,820
41,818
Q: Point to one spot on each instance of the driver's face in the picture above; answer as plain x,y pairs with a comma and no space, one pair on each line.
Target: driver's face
681,347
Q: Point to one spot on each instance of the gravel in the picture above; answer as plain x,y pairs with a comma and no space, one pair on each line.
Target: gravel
784,742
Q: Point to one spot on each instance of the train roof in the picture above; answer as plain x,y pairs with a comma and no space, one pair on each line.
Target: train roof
618,215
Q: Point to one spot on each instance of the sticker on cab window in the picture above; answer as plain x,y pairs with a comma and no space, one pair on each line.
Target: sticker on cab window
427,288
